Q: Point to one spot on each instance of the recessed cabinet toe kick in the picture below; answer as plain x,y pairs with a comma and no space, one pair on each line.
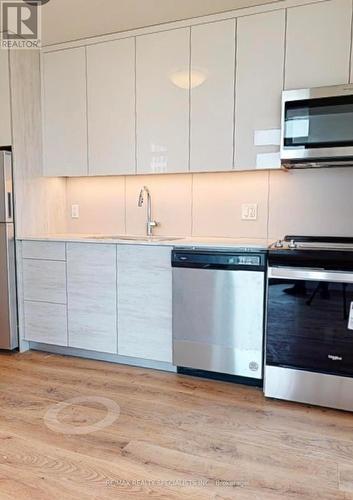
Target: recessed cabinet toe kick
218,311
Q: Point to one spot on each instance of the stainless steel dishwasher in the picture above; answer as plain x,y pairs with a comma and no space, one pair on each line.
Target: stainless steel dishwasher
218,310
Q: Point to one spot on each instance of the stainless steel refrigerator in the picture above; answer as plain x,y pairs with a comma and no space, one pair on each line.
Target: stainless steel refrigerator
8,295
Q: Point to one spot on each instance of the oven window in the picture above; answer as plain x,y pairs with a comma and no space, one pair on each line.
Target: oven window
318,123
307,326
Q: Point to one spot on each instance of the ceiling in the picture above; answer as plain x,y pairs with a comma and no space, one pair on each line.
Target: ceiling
65,20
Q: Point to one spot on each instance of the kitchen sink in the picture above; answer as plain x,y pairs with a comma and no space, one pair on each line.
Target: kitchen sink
132,238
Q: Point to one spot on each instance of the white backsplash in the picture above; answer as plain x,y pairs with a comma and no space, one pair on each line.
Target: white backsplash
308,202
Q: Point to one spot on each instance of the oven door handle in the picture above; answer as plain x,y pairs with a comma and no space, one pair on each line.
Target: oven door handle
298,273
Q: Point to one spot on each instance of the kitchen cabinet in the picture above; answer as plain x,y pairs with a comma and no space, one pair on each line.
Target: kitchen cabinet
111,107
107,298
91,290
212,96
318,44
5,121
45,323
64,113
259,85
44,281
46,250
145,302
162,86
43,292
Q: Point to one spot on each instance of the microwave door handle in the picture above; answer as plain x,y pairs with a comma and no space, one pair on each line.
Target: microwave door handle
298,273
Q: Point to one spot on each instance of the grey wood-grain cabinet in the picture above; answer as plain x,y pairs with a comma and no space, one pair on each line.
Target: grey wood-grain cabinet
91,292
45,323
43,292
106,298
44,280
145,302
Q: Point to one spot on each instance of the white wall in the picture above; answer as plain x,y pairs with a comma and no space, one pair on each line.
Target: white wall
318,202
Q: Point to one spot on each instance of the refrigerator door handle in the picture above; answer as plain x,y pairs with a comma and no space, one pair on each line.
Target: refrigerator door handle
9,205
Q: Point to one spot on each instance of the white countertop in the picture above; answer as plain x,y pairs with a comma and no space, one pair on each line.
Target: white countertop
258,243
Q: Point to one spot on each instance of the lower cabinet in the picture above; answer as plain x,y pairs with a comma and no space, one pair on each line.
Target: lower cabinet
91,295
145,302
101,297
44,294
45,322
44,281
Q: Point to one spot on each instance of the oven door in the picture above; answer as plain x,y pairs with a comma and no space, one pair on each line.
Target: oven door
317,124
308,320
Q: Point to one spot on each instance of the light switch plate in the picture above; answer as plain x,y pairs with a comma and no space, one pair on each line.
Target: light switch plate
249,211
75,211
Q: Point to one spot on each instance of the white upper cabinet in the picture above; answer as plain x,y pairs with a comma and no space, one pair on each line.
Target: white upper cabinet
5,119
162,85
212,96
259,85
111,107
64,113
318,44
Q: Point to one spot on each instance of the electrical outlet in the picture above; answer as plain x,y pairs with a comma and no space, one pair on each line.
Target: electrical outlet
249,211
75,211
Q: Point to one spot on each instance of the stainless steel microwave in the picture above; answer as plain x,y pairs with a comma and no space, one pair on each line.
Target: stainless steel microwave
317,127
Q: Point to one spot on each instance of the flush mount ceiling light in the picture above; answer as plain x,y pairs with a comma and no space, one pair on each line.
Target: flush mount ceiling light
35,2
181,78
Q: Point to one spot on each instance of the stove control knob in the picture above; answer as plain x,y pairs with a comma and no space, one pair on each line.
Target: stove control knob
279,244
292,244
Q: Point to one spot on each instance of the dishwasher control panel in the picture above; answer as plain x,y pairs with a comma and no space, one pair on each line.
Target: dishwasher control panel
218,259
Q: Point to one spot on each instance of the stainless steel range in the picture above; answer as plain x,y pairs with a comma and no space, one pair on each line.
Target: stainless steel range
309,338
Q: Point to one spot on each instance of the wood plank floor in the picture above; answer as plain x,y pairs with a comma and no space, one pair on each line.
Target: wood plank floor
176,437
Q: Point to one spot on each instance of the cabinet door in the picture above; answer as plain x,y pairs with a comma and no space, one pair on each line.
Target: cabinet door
318,44
111,107
44,280
91,284
259,85
162,81
212,96
64,113
46,323
145,302
5,120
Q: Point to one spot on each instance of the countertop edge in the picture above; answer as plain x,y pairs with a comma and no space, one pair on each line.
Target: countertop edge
255,243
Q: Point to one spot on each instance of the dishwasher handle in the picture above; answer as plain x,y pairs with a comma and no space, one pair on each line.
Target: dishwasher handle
219,260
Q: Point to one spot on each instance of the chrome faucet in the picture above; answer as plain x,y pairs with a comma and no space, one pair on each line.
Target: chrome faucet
150,224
